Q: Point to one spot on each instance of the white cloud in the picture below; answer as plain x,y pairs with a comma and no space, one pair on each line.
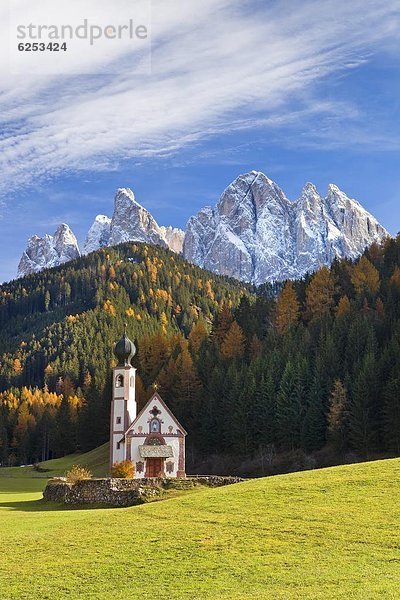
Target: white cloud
217,65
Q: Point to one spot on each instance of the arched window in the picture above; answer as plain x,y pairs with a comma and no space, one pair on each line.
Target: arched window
155,426
119,381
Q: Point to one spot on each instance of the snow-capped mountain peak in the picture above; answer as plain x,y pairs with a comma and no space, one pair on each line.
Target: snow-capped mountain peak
98,235
254,233
126,194
48,251
258,235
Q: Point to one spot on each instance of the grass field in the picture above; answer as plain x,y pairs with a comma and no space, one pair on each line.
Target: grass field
332,533
95,460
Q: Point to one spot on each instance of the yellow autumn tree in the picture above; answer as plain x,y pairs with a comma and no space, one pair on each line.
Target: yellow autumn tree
109,308
343,306
320,292
233,343
197,335
395,278
209,290
287,308
365,277
222,324
17,366
164,322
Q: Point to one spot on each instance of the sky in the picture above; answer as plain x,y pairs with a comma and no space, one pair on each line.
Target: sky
302,90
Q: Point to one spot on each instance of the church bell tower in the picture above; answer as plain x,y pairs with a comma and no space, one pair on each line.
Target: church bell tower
123,405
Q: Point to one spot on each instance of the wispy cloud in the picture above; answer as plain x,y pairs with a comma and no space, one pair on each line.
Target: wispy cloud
217,66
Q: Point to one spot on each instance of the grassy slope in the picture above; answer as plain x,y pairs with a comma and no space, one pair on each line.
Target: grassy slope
332,533
95,460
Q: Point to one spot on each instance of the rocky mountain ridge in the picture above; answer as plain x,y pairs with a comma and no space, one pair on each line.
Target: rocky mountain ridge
49,251
130,222
254,233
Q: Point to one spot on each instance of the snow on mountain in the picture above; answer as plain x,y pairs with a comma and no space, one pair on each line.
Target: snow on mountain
98,235
132,222
174,238
256,234
48,251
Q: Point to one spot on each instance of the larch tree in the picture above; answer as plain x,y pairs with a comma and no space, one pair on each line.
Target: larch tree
365,277
222,323
287,308
233,343
320,293
197,335
343,307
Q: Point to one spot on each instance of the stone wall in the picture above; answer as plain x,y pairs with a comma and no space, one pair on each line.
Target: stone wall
124,492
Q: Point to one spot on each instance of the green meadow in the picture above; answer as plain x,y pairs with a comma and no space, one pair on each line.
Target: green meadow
332,533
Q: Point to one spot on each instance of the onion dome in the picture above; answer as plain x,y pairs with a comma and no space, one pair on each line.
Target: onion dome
124,350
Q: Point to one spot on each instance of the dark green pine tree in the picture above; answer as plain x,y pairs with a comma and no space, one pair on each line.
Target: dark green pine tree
314,424
262,419
290,406
4,445
234,409
65,430
362,408
93,427
241,441
212,410
391,415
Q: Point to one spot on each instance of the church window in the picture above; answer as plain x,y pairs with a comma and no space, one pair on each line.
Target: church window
119,381
118,420
118,445
169,467
155,426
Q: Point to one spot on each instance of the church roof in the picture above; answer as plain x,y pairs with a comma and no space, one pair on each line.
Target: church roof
157,397
149,451
124,350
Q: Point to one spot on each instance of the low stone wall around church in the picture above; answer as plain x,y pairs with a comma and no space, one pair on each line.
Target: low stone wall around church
124,492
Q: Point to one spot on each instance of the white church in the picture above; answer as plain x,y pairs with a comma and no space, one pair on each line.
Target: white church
153,440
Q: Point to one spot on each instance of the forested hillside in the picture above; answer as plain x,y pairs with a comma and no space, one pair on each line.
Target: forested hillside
251,378
58,329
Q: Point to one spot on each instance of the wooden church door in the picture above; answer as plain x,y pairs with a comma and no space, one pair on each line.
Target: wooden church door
155,467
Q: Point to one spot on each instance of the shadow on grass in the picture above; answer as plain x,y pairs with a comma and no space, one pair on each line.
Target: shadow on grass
31,505
43,506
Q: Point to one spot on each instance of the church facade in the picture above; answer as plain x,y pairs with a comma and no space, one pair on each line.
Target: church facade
153,440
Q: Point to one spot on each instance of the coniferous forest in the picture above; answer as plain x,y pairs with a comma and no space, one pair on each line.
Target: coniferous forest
295,375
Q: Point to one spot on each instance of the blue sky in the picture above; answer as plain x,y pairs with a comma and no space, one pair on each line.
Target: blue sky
310,94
